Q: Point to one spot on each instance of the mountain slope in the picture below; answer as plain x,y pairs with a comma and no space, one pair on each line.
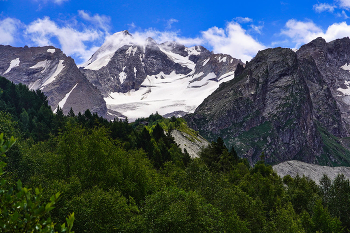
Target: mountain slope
55,74
126,77
280,104
138,78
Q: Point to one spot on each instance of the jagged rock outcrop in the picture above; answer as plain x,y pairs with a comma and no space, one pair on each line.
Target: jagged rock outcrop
48,69
266,108
281,104
333,63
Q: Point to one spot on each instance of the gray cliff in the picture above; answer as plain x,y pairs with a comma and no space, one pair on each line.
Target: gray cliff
285,104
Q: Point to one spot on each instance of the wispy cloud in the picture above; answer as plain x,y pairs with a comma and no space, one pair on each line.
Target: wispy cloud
101,21
343,14
322,7
140,37
243,19
59,2
170,23
257,29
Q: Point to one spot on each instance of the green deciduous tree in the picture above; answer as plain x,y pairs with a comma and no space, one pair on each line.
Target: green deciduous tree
21,209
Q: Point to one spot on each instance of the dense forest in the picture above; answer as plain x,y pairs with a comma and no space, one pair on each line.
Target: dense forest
83,173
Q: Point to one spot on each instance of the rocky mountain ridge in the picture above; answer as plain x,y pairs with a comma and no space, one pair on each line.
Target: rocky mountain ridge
125,77
48,69
288,105
139,77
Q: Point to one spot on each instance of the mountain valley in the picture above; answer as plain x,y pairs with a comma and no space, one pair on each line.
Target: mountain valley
285,104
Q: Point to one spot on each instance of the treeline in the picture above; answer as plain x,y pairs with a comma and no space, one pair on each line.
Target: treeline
122,177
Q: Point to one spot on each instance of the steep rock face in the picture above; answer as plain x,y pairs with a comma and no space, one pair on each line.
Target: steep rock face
267,108
48,69
333,62
288,105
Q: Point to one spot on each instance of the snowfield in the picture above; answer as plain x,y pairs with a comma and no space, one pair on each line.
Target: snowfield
164,94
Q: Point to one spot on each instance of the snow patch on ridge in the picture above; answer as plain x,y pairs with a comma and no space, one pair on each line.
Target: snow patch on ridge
101,62
59,68
14,63
222,59
184,61
35,85
51,50
206,61
204,81
132,50
227,75
193,50
346,66
122,75
41,64
64,100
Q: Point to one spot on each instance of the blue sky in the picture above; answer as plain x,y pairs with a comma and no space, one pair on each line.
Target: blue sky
239,28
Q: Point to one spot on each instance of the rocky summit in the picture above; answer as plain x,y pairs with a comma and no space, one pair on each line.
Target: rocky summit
285,104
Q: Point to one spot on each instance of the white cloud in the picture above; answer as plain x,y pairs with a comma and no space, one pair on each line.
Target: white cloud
132,26
304,32
8,30
301,32
43,31
233,40
170,22
82,43
257,28
243,19
344,15
324,7
59,2
344,4
100,21
162,36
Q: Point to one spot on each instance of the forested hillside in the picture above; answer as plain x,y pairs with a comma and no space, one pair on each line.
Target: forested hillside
121,177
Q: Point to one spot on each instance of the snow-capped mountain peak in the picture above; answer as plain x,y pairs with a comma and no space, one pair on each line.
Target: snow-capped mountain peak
138,76
104,54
